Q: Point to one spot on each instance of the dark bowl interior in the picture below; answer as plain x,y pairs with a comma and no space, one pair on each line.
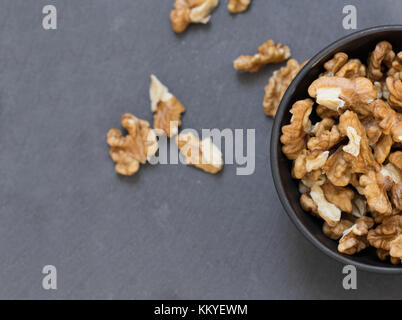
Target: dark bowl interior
356,45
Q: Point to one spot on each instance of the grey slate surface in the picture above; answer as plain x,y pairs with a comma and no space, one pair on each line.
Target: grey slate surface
170,231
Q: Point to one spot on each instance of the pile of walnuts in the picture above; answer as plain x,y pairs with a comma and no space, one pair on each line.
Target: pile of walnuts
349,163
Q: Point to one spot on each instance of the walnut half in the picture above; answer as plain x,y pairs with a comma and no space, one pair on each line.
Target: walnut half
237,6
267,53
277,86
201,154
135,148
166,107
191,11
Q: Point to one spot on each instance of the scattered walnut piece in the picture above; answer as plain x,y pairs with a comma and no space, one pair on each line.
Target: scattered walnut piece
237,6
382,236
166,107
201,154
383,148
267,53
336,93
382,54
336,232
135,148
390,121
340,196
395,92
191,11
354,239
375,193
327,210
277,85
396,159
294,135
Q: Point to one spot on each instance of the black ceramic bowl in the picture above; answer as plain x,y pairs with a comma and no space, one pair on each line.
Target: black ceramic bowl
356,45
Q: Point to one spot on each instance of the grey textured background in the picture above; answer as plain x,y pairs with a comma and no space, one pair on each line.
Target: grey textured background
170,231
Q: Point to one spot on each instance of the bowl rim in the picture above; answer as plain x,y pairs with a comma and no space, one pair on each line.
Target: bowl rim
275,136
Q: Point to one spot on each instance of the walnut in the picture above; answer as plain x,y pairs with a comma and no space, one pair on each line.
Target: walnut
337,169
373,131
336,232
336,93
382,236
166,107
191,11
335,64
268,52
383,148
201,154
316,160
395,92
299,165
327,210
375,193
237,6
308,204
389,175
326,140
396,159
396,67
359,206
352,69
294,135
135,148
384,254
358,152
396,195
339,196
354,239
277,85
309,180
324,112
353,147
308,161
320,127
396,247
382,54
390,121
